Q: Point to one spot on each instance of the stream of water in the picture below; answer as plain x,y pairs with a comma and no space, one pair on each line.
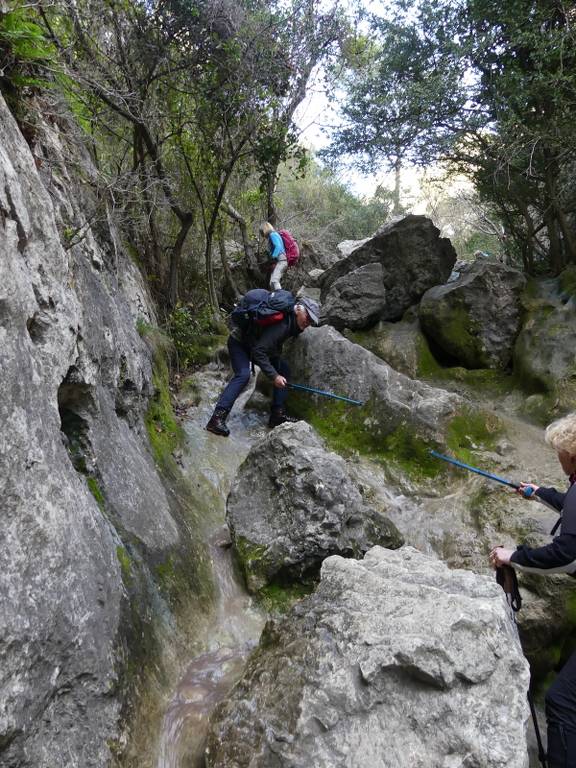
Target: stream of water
236,622
438,524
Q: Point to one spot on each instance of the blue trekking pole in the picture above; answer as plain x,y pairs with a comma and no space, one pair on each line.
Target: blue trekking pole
527,492
304,388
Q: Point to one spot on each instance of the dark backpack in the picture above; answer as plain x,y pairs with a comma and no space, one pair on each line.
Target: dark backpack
262,308
290,246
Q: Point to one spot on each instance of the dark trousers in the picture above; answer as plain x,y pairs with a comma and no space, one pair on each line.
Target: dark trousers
561,717
241,365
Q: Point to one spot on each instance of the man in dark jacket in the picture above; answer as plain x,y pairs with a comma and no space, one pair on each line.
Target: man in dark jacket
264,349
557,557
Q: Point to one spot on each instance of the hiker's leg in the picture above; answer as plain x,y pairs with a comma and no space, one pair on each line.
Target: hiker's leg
240,360
278,413
277,272
561,717
279,395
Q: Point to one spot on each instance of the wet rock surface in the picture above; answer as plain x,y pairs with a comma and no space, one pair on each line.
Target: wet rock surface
412,257
395,661
476,318
293,504
85,513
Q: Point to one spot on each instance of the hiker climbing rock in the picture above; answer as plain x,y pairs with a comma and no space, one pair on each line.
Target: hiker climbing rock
557,557
283,251
260,325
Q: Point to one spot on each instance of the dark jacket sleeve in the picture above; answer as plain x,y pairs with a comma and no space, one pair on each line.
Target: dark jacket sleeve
551,497
560,555
270,345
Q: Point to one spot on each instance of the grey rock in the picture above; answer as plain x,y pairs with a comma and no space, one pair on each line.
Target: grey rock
76,380
357,299
476,318
544,350
394,662
325,359
400,344
347,246
413,258
293,504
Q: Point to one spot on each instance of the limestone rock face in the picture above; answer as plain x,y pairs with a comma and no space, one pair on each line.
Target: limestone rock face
77,478
476,318
544,350
293,504
394,662
412,257
323,358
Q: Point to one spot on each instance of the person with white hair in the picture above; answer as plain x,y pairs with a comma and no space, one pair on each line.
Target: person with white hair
557,557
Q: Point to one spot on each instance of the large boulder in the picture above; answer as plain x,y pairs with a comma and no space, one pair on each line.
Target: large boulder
544,350
293,504
323,358
394,662
476,318
357,298
406,258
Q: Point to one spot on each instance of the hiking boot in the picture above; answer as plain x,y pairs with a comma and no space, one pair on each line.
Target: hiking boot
279,416
217,423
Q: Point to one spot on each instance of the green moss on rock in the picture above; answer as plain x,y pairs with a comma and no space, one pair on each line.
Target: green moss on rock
349,429
125,565
164,431
567,280
279,599
253,563
96,491
470,431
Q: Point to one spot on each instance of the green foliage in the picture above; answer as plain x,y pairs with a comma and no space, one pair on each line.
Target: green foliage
194,335
23,48
323,212
473,82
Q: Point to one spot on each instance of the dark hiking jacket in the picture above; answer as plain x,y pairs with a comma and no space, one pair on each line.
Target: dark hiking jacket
560,555
266,345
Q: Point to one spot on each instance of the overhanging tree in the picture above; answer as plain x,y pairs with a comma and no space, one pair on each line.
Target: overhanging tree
488,86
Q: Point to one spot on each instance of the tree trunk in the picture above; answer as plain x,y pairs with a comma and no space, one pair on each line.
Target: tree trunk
549,215
175,256
567,234
229,280
249,250
271,212
397,209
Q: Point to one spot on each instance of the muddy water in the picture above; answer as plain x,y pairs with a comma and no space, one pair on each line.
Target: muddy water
236,623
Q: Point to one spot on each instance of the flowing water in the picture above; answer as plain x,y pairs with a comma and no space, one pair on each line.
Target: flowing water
437,521
236,623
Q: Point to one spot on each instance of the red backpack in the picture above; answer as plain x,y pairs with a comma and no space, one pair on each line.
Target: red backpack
290,246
